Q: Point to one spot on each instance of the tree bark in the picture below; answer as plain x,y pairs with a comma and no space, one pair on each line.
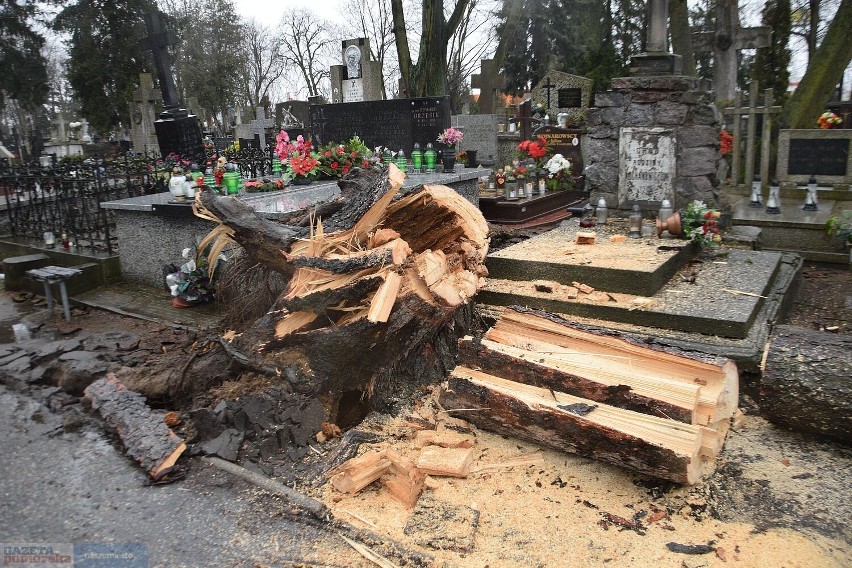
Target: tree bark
657,447
805,385
144,434
825,68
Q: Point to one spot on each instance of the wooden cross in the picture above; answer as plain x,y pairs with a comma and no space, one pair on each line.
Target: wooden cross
489,82
724,42
158,42
259,126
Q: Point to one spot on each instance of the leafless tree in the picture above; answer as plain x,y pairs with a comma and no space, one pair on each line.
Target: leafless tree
307,43
265,64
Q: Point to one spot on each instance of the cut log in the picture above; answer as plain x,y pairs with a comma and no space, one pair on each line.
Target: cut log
586,237
655,446
446,462
403,480
357,473
144,434
580,358
805,384
374,292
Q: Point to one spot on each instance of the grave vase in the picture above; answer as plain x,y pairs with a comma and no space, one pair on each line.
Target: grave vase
448,159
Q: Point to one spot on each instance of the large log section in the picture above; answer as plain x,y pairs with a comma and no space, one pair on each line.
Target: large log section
380,280
807,382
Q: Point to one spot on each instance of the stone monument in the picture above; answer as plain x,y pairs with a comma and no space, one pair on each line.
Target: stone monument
177,131
653,136
359,78
143,112
563,94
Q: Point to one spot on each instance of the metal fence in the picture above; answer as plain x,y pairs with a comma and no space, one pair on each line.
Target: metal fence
64,197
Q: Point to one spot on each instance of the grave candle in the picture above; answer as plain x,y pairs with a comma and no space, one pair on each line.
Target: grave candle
602,211
401,161
811,197
430,156
666,210
635,222
773,204
416,157
756,197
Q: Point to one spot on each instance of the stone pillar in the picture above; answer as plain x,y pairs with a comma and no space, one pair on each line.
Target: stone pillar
678,109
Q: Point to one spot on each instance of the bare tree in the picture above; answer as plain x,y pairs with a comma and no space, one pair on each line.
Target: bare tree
264,62
471,43
307,43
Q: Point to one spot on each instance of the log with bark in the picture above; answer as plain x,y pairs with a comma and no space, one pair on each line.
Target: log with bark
144,434
378,283
806,383
592,392
542,349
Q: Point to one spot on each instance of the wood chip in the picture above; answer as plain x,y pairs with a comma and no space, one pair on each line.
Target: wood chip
617,238
586,238
584,288
449,462
445,439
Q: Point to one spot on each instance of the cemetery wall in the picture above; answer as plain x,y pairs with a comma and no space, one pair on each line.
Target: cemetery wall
673,115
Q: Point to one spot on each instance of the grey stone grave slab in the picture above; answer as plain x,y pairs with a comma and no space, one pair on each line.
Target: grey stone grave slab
723,300
647,166
563,93
635,266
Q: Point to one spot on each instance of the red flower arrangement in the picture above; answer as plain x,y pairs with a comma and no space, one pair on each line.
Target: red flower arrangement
726,143
535,149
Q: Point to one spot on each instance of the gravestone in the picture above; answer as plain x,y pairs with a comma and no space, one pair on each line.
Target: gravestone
396,124
724,42
259,126
143,113
359,78
647,166
565,141
480,134
823,153
177,130
563,93
489,82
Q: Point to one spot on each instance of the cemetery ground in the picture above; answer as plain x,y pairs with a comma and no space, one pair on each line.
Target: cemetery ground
777,498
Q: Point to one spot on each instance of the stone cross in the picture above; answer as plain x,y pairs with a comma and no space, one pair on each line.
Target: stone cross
489,82
143,114
657,38
158,42
259,126
724,42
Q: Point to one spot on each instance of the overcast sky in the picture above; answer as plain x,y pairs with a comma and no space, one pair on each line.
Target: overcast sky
269,12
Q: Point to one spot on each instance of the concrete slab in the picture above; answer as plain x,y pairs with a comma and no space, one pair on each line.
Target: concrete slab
721,297
746,351
793,229
636,266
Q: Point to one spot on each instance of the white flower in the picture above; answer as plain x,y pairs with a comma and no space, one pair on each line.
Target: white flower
557,164
186,252
188,267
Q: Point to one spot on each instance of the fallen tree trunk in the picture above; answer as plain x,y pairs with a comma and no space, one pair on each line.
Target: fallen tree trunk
655,446
805,384
144,434
378,282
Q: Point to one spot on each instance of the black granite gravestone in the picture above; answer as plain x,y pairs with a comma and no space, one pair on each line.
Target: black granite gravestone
819,157
395,124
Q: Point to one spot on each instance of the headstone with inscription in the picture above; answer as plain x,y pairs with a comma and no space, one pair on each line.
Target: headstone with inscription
822,153
647,166
359,78
259,127
563,93
396,124
565,141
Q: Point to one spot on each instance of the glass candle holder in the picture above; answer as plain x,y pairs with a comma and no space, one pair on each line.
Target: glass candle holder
756,200
811,199
773,204
635,222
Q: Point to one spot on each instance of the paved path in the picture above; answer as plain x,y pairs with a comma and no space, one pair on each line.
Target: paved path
71,488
